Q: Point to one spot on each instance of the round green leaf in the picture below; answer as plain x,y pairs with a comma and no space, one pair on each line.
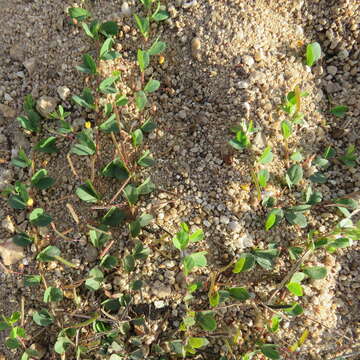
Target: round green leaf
43,318
315,272
38,217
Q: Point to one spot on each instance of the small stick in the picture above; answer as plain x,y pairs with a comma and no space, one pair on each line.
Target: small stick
62,235
22,311
293,270
108,315
71,165
121,189
117,146
8,271
92,164
73,213
105,251
99,230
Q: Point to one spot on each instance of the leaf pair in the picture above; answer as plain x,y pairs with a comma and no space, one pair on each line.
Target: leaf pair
183,238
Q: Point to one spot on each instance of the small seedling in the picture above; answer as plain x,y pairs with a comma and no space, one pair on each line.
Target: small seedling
86,145
313,53
47,145
87,193
21,160
88,66
350,157
143,24
61,114
86,100
79,14
339,111
41,181
52,253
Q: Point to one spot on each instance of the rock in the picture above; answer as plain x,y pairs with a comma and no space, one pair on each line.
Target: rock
8,98
243,84
17,52
248,60
161,291
30,65
234,226
195,47
247,240
260,140
41,351
332,70
6,176
159,304
8,225
91,254
343,54
125,9
182,114
7,111
224,219
259,55
63,92
46,105
11,253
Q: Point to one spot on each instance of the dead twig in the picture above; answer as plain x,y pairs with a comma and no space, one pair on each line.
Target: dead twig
71,165
73,213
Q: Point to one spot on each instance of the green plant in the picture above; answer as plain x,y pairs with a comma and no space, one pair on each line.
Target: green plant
52,253
313,53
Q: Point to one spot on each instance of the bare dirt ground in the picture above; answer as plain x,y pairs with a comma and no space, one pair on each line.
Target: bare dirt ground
250,55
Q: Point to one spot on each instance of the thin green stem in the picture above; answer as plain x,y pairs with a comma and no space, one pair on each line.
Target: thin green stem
65,262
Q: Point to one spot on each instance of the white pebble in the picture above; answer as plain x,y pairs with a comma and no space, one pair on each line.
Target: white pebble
224,219
125,9
248,60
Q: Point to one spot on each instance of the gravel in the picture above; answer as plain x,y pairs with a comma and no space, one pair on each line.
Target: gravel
225,62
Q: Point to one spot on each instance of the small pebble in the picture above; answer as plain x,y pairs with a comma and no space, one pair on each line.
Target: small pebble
332,70
125,9
248,60
234,226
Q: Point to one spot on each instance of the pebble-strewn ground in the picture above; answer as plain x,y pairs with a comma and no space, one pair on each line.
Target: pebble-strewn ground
226,61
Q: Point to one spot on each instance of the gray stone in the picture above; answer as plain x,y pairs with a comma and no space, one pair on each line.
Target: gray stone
46,105
30,65
11,253
91,254
8,97
161,291
243,84
343,54
182,114
63,92
260,140
234,226
332,70
224,219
